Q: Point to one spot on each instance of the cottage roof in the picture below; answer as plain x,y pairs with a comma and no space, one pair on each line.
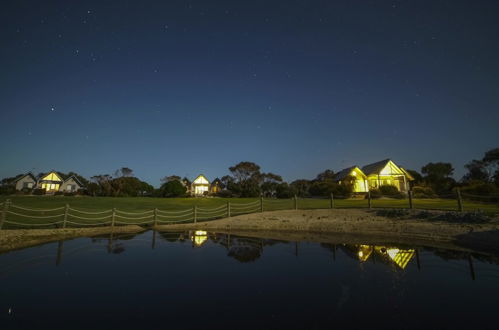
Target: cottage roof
25,175
375,168
343,173
75,179
200,179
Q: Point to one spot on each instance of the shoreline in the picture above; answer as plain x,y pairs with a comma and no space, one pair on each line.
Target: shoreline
331,224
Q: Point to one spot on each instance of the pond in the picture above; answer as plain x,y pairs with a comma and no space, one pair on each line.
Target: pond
194,280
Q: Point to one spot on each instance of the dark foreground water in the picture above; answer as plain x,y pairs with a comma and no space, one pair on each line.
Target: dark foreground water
215,281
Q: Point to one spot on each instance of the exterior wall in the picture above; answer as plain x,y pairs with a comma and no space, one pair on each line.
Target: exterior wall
376,181
70,185
25,180
199,189
360,186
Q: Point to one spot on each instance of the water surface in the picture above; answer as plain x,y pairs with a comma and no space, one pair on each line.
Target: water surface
193,280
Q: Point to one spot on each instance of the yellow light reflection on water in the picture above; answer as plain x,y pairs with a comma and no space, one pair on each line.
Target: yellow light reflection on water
199,237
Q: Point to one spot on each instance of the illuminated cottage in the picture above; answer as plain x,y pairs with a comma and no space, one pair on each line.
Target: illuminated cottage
385,172
200,186
216,186
353,173
51,182
374,175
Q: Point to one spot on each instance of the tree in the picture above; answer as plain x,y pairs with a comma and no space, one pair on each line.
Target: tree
301,187
327,175
418,178
173,189
171,178
270,182
491,161
124,171
477,171
247,179
438,176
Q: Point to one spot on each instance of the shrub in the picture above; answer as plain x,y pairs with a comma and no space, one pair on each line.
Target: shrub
388,190
7,190
38,191
225,193
479,191
69,193
59,193
423,192
375,193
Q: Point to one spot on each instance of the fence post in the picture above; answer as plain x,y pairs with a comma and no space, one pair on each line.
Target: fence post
409,194
369,199
113,217
331,205
195,210
296,203
66,210
4,212
459,200
155,223
261,204
228,209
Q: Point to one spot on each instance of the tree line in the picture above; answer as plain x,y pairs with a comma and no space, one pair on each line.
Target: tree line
246,179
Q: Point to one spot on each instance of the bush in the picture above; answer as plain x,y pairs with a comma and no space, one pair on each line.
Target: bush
69,193
27,191
173,189
38,191
479,191
225,193
388,190
7,190
423,192
375,193
59,193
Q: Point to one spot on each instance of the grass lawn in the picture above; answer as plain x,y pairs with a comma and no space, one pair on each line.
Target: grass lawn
127,206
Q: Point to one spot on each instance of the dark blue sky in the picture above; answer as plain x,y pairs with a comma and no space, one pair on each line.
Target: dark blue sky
188,87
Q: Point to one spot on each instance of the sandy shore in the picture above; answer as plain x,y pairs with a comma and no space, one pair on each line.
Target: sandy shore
348,224
22,238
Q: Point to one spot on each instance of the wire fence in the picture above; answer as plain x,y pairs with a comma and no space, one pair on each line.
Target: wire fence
17,216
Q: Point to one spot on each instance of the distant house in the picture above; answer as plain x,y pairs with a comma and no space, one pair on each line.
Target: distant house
354,173
28,181
386,172
200,186
216,186
51,182
71,185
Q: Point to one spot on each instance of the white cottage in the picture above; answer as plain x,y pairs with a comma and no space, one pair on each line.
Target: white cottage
200,186
26,181
71,184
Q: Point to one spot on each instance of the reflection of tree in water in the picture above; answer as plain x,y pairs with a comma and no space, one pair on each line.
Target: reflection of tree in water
174,236
245,249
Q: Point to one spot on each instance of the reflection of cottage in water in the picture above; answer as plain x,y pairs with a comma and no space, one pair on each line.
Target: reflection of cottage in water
394,255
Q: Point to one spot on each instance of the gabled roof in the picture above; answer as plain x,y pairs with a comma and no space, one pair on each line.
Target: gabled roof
375,168
23,176
201,176
75,179
343,173
42,175
216,181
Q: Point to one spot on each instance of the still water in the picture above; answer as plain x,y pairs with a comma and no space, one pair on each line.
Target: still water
199,280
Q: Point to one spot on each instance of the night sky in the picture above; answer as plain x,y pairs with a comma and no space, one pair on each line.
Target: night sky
189,87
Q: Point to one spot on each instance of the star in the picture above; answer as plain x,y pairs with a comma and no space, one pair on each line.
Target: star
52,109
